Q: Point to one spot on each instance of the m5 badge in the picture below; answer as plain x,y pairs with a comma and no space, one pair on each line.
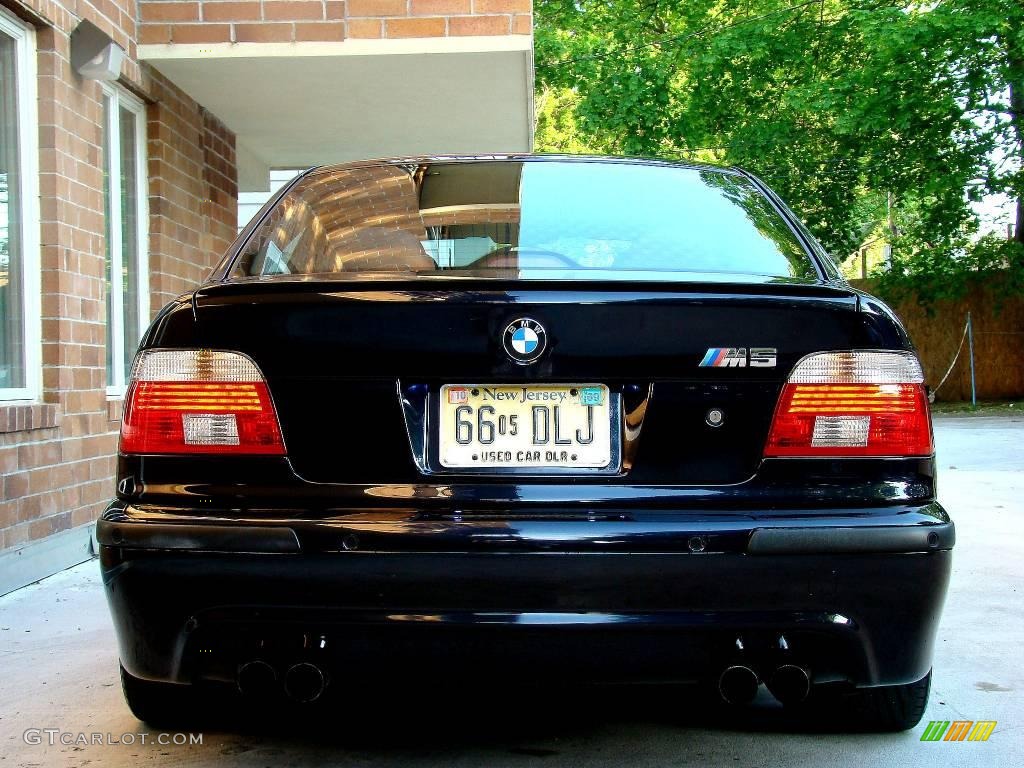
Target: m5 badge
738,357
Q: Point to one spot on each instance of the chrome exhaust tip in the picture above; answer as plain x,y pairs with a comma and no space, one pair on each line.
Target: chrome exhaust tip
304,682
737,685
256,678
790,683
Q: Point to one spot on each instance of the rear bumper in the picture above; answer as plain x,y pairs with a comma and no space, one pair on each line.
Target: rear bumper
633,597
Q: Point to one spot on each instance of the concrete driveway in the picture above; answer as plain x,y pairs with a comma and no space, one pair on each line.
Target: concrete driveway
58,670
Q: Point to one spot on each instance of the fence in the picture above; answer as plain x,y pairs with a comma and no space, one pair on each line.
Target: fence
998,331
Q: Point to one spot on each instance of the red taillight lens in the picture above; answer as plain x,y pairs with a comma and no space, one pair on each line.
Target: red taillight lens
853,404
198,401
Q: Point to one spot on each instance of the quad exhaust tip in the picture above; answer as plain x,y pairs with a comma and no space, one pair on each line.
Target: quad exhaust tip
304,682
256,678
737,685
790,683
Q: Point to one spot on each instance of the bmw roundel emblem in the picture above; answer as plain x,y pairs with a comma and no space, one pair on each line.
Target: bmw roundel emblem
525,340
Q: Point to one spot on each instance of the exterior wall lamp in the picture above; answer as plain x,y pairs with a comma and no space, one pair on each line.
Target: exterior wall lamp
94,55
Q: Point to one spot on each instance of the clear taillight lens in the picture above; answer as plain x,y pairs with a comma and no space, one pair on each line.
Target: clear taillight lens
198,401
861,403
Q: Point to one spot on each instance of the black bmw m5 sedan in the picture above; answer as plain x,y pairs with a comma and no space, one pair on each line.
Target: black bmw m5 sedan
527,417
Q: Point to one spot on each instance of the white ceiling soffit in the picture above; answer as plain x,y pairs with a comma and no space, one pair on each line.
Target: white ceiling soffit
301,104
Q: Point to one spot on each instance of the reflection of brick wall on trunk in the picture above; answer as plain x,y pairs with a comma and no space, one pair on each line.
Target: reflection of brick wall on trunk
193,191
57,455
285,21
998,342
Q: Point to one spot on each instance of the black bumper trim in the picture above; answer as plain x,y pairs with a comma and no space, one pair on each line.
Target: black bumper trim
795,541
200,537
920,529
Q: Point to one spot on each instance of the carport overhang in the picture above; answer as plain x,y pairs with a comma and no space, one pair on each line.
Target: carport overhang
293,105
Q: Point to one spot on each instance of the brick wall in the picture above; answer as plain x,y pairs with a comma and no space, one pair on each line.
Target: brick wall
118,18
282,21
57,455
193,201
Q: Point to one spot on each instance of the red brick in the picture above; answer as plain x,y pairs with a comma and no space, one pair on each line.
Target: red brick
15,486
479,25
39,455
502,6
440,7
424,27
231,11
320,31
263,33
201,33
365,28
334,10
522,25
377,8
8,514
154,34
151,11
293,10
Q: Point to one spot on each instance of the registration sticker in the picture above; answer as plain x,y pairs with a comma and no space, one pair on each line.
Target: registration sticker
458,395
591,395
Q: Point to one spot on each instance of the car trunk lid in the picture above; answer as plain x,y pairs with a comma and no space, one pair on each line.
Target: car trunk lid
347,364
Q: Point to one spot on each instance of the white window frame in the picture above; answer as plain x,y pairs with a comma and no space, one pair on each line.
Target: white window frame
119,98
24,37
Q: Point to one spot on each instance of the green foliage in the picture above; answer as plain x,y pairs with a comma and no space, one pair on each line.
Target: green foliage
934,274
840,106
558,128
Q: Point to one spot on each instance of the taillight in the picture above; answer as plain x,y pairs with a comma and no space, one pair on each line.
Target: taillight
859,403
198,401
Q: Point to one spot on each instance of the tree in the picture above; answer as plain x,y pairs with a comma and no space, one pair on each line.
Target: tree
853,111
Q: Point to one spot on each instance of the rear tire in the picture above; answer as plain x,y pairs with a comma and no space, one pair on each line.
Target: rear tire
160,704
888,708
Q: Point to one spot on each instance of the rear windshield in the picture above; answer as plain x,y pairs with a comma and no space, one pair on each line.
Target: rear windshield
541,219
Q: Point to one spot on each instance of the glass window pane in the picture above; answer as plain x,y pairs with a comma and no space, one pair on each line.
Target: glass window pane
12,368
129,236
544,219
107,230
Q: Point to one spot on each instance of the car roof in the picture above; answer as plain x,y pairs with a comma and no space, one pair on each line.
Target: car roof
416,160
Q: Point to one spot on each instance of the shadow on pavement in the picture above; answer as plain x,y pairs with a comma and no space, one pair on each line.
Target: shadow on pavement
407,717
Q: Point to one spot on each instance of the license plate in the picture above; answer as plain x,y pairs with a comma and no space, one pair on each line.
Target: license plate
525,426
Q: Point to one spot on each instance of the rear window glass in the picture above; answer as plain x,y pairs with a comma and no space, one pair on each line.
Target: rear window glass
542,219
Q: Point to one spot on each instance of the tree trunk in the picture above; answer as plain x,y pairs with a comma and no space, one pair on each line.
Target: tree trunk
1017,118
890,214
